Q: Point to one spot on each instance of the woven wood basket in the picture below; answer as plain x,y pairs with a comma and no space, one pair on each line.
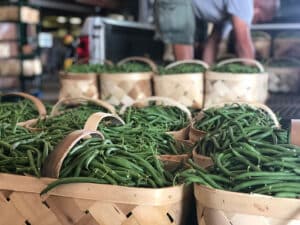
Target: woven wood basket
77,85
262,44
196,135
223,87
184,88
89,204
286,47
109,204
123,88
216,207
284,79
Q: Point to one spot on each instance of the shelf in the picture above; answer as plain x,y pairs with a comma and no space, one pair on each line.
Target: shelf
276,26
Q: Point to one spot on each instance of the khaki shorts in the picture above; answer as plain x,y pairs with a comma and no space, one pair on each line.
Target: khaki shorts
175,21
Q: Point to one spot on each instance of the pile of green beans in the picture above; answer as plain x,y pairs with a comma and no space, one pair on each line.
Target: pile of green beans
29,150
236,68
236,123
164,118
181,69
240,115
22,152
259,34
15,112
258,167
130,67
104,162
144,139
288,62
290,34
87,68
71,119
217,141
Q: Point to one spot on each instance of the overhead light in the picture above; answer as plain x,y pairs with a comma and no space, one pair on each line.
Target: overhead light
75,20
61,19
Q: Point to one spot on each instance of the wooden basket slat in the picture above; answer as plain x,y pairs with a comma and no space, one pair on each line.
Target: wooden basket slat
109,214
66,209
88,219
32,209
89,204
8,211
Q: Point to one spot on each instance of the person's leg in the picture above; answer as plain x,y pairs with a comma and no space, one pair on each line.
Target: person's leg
183,52
176,25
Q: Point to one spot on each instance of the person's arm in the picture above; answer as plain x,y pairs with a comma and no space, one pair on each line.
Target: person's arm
212,45
244,45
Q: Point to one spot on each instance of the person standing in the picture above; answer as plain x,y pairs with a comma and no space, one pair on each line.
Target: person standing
176,23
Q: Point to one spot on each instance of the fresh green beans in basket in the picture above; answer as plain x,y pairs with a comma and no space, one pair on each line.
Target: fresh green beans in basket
22,152
258,167
144,139
241,115
164,118
129,67
236,68
71,119
221,139
181,69
20,111
104,162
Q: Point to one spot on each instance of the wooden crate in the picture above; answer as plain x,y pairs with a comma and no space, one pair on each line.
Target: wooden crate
90,204
23,14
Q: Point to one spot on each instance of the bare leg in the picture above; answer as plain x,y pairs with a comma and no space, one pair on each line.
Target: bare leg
183,52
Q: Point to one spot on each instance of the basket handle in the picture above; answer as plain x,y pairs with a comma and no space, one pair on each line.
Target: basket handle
252,61
37,103
66,101
149,62
54,161
253,104
199,62
295,131
108,62
95,119
164,100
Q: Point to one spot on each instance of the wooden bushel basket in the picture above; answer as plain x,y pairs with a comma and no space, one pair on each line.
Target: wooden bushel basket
121,88
262,44
284,79
90,204
196,135
217,207
82,204
77,85
287,46
184,88
223,87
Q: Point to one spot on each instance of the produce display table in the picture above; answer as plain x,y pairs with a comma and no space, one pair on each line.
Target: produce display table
287,106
